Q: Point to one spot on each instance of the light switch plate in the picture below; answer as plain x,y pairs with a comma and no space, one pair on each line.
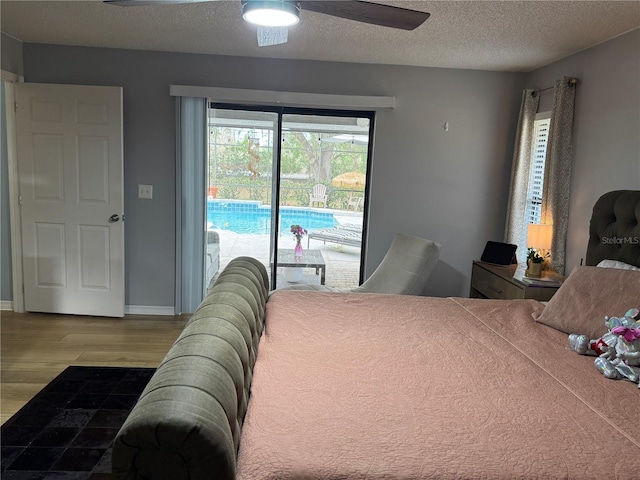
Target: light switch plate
145,191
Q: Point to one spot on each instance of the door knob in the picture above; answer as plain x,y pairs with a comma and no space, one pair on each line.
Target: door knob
114,218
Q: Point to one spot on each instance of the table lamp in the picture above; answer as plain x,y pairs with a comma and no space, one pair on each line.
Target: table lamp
539,239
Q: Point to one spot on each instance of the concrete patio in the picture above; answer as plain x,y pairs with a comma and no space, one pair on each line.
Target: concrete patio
342,262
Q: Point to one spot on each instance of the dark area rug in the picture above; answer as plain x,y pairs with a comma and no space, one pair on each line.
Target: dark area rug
66,431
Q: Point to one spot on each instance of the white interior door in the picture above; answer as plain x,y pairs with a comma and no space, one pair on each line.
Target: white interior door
70,163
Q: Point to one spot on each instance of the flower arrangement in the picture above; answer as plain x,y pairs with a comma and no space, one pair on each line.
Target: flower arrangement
298,232
534,257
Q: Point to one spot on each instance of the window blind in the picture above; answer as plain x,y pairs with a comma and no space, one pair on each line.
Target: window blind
536,173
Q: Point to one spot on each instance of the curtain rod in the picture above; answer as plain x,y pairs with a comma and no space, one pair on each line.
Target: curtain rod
572,82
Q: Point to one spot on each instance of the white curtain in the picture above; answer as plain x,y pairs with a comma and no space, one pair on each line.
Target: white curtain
515,230
557,176
191,148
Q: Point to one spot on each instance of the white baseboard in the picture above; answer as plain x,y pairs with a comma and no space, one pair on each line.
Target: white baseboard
6,305
128,309
148,310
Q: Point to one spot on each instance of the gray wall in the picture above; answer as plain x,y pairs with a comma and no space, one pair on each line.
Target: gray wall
447,186
606,127
11,54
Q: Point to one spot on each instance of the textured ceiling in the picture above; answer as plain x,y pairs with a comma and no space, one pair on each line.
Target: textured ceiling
485,35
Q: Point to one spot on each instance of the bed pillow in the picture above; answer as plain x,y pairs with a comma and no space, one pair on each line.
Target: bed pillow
587,296
617,264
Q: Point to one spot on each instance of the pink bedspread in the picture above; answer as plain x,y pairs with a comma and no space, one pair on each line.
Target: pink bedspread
361,386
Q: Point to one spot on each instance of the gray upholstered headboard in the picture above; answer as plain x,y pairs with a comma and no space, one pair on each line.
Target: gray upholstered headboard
614,231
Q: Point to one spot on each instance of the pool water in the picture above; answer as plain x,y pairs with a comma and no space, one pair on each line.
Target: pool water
255,219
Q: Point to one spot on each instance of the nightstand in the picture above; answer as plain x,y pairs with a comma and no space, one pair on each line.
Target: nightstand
506,283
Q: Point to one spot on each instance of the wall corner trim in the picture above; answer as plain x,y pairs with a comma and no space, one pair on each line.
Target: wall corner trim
8,76
284,99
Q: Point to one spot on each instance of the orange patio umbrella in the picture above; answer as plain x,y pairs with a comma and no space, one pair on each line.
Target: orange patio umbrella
353,180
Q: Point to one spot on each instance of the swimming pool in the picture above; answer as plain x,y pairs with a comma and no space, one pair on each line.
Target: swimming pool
254,218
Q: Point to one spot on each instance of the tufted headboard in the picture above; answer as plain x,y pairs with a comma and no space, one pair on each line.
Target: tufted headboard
614,231
187,422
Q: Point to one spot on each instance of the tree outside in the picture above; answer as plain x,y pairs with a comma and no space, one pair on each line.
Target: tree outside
240,164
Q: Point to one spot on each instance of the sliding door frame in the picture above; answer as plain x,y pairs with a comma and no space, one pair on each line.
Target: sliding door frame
275,186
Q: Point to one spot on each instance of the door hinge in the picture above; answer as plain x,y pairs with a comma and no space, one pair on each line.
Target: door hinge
15,106
19,199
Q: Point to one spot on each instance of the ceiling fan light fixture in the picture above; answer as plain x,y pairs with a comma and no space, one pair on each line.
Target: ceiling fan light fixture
274,13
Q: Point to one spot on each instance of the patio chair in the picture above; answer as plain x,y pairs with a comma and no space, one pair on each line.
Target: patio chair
355,201
319,195
404,270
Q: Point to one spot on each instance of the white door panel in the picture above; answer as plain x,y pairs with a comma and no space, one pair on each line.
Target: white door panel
70,167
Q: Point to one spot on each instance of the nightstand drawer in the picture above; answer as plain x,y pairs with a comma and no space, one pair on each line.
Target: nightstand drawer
493,286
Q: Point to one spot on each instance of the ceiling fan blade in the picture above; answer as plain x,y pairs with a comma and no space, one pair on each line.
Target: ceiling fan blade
268,36
138,3
366,12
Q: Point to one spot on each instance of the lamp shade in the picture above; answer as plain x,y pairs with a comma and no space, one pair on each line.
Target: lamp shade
539,236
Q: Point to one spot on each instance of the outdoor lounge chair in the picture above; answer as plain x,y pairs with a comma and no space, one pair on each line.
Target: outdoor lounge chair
319,195
404,270
345,234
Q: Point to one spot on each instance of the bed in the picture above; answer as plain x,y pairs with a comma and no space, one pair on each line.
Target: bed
368,386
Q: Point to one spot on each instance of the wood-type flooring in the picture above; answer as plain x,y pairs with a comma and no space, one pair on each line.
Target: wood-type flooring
36,347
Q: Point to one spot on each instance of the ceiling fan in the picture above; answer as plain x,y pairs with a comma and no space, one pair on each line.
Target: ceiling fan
273,17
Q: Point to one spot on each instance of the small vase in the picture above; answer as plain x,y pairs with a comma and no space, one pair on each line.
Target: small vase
534,270
297,254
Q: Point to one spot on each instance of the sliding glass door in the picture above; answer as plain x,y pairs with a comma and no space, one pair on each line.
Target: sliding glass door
306,169
323,170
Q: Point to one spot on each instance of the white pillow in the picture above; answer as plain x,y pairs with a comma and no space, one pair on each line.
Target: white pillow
617,264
